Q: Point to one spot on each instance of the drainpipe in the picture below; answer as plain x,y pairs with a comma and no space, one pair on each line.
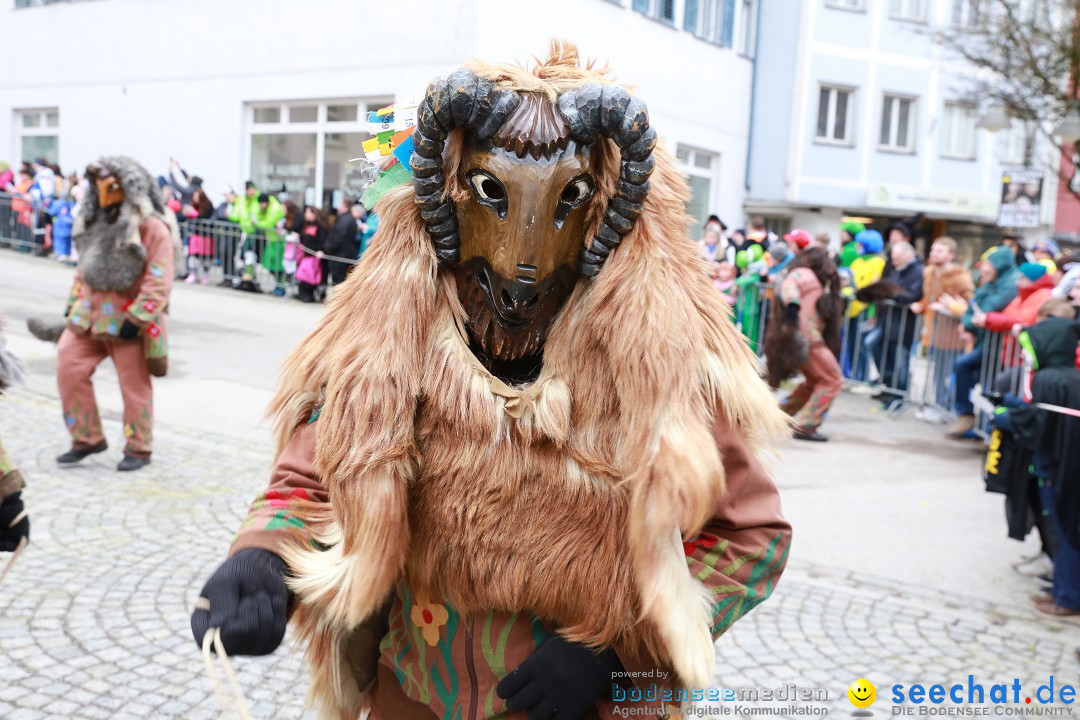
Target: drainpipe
753,95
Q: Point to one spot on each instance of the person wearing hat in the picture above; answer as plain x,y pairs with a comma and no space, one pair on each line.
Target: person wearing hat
1070,278
244,208
997,288
1033,288
849,248
799,240
1044,253
713,246
866,269
1014,241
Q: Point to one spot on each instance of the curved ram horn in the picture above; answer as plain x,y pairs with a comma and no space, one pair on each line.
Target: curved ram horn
593,111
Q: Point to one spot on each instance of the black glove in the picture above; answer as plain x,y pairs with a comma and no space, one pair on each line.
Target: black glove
248,601
560,679
10,535
791,312
129,330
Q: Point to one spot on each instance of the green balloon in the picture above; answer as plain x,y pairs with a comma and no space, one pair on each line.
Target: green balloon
742,259
755,252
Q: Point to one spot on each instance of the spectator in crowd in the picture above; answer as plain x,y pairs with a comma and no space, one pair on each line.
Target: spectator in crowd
900,287
185,188
45,181
1033,286
245,207
62,215
997,288
369,224
1014,241
342,240
309,270
944,281
823,241
1044,252
849,247
1070,276
713,247
723,279
200,238
7,177
777,260
1053,437
268,213
865,269
798,240
737,241
806,337
759,233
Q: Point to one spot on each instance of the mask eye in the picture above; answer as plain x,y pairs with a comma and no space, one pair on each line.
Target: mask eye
488,190
575,194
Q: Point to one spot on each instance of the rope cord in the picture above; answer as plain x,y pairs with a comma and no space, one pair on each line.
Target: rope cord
212,639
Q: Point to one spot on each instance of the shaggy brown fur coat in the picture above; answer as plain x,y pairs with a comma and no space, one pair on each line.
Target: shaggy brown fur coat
566,498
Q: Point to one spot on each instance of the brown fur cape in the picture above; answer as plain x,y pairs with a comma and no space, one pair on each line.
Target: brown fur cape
565,499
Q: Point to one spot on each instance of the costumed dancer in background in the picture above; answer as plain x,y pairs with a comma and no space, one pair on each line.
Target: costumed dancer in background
14,523
807,340
539,467
128,248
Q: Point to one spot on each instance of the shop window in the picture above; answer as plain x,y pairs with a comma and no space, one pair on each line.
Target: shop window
38,134
701,168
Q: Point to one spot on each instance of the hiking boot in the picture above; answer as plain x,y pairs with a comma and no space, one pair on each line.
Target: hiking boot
963,427
73,456
810,435
130,463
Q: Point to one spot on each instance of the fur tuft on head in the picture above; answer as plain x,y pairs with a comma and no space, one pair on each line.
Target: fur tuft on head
560,71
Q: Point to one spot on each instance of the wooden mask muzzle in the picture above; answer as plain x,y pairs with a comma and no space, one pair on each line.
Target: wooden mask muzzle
527,164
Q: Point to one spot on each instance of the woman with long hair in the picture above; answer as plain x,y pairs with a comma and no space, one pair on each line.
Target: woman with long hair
310,271
805,337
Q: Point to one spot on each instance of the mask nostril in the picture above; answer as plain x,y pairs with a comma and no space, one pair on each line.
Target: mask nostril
507,301
531,302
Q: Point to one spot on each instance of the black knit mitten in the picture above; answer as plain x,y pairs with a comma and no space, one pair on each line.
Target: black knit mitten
248,601
560,679
10,535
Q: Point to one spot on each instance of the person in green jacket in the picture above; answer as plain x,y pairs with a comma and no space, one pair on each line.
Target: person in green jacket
997,288
268,212
243,209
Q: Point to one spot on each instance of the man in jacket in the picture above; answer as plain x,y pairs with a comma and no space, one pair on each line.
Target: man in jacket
997,288
1033,286
341,242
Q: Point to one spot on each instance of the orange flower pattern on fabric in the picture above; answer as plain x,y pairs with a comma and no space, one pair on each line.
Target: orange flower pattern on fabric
429,617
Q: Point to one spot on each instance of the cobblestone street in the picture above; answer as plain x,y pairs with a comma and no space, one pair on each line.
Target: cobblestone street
899,571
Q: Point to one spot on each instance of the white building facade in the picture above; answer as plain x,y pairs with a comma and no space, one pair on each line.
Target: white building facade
278,90
860,113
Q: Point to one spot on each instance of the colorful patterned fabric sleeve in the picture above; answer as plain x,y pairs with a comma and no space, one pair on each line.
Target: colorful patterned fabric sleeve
157,279
741,552
743,549
277,515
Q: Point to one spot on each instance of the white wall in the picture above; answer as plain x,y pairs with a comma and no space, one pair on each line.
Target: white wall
160,78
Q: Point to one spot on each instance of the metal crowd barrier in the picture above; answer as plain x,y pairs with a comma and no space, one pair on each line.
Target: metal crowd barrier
909,358
22,223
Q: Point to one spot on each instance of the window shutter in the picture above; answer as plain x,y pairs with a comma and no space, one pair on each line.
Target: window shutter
690,19
727,32
668,10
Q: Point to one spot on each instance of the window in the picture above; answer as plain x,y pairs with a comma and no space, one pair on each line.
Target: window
305,148
1013,143
908,10
712,20
846,4
834,115
38,134
662,10
701,168
958,131
897,124
969,13
747,27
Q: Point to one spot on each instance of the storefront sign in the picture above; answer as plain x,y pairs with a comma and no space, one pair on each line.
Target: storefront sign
1021,195
909,199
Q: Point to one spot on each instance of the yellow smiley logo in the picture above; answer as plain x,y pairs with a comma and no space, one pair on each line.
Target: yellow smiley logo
862,693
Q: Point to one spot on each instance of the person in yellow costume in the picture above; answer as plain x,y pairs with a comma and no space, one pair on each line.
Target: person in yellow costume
865,270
